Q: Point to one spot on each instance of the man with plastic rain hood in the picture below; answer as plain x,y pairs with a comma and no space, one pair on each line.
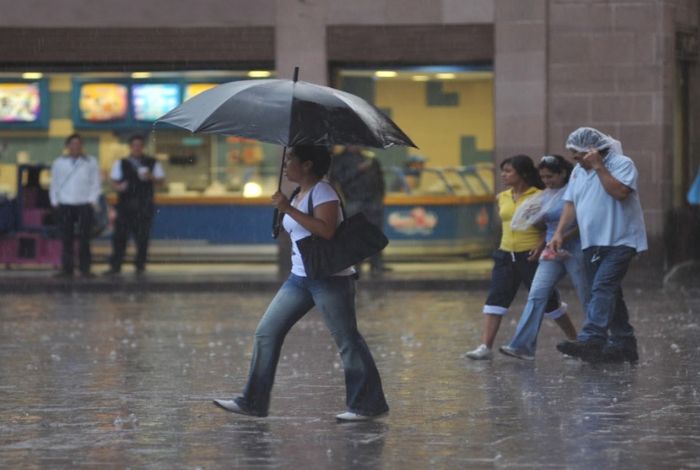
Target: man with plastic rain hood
602,196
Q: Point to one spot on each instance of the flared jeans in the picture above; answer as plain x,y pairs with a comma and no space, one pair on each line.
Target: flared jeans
335,299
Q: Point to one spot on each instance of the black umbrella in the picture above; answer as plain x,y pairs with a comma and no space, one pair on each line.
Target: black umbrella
288,113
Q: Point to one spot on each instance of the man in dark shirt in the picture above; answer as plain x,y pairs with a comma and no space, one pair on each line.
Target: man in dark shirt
134,178
358,175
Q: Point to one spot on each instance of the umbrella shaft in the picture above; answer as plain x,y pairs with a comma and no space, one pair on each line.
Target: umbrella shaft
276,219
279,180
276,223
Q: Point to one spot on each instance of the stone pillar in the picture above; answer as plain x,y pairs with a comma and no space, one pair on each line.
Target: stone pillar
300,39
520,71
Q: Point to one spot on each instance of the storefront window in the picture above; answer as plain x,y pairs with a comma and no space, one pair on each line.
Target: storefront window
447,111
106,108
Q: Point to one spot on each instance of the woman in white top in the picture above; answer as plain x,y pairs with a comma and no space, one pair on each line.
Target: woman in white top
334,297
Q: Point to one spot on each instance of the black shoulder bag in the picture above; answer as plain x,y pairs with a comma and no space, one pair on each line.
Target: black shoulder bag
355,239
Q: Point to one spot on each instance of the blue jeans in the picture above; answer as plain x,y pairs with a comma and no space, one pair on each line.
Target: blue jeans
548,274
335,298
606,266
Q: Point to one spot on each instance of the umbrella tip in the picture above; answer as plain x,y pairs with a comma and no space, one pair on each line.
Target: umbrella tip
296,73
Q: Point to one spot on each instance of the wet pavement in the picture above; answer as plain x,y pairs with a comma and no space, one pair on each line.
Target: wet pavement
445,273
125,380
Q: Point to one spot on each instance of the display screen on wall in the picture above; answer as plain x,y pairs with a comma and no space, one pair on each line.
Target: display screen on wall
20,102
193,89
151,100
104,102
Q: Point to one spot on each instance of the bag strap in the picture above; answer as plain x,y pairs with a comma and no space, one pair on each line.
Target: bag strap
294,193
310,207
70,175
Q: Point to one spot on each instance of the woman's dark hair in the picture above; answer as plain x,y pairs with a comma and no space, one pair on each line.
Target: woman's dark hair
556,164
523,166
319,156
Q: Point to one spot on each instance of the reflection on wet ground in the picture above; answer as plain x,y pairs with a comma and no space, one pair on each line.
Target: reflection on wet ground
127,380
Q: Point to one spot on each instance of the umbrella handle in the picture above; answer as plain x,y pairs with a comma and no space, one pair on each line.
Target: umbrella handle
276,219
276,223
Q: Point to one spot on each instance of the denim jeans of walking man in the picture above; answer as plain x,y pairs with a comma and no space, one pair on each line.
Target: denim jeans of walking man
606,266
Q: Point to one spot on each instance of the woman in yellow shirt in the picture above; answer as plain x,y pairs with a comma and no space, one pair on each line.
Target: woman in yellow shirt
515,262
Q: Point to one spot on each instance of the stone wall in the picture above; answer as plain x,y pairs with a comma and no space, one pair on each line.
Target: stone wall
235,13
612,65
161,48
520,73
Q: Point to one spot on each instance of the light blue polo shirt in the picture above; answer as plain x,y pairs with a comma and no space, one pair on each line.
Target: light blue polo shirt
602,219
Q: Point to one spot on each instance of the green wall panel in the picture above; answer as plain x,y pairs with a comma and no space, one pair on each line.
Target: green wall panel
60,105
360,86
435,96
470,154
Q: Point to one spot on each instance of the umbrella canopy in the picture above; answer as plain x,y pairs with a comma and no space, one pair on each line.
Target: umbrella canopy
288,113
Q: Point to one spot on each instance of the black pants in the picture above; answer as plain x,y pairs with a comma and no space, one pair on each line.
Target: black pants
509,271
138,224
69,216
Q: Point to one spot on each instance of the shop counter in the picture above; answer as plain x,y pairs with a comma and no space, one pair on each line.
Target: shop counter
415,224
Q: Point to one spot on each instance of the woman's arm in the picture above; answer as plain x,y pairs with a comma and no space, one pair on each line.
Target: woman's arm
571,234
323,222
568,215
535,253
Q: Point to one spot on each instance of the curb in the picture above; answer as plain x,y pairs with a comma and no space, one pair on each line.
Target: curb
48,285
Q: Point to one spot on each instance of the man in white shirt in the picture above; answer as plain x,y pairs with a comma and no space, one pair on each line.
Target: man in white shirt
134,178
74,191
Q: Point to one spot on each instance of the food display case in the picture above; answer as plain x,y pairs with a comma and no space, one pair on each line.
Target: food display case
443,215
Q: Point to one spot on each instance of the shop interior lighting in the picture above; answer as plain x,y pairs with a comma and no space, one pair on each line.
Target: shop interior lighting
141,75
32,75
420,78
445,76
252,189
259,73
385,74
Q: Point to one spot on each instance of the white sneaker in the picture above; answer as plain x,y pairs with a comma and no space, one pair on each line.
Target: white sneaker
350,416
512,352
233,407
480,353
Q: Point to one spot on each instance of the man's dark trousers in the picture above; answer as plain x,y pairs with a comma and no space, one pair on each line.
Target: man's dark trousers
136,222
69,216
606,266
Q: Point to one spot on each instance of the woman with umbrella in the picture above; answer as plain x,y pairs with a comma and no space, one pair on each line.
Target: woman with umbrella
334,297
306,118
